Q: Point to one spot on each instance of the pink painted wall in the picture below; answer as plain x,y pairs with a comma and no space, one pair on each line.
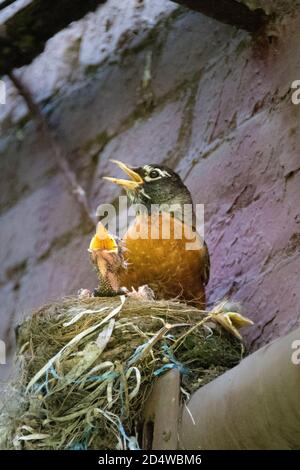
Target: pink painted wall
217,108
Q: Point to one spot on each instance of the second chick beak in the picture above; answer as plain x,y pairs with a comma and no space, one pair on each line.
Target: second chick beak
134,183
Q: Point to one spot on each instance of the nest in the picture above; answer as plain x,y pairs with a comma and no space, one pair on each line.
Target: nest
87,368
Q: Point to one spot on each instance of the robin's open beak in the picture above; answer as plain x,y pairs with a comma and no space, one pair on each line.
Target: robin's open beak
134,183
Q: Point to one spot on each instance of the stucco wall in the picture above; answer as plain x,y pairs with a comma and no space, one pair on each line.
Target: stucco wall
217,108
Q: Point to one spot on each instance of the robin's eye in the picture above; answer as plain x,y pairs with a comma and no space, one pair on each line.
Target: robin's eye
154,174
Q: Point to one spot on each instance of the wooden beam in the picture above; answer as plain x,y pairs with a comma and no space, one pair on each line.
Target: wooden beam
231,12
26,25
254,406
161,413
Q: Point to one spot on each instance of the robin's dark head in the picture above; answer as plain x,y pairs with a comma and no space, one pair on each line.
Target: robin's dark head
153,184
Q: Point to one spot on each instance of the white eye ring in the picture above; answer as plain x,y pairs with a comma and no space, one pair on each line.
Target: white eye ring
160,173
149,178
154,174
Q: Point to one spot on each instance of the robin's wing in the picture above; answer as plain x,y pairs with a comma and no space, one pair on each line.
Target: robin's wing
205,264
203,252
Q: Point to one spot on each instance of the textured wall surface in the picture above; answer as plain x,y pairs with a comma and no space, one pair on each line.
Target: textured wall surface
157,83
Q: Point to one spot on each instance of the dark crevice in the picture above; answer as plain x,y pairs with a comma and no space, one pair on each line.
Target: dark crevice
230,12
28,29
15,272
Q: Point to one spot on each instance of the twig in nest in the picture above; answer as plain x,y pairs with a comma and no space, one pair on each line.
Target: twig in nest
58,153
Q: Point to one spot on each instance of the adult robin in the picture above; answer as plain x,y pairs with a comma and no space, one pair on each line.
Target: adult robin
161,248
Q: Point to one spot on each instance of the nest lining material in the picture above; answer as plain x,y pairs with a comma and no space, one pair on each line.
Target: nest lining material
87,368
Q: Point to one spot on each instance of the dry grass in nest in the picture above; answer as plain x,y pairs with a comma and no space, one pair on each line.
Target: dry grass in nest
88,366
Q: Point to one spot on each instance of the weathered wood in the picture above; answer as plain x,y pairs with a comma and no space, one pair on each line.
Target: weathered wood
230,12
26,25
254,406
161,413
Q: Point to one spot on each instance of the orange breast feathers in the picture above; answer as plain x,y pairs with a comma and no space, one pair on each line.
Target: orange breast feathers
157,250
167,255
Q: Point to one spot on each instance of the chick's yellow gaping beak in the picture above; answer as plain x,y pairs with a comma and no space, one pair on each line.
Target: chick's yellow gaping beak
103,240
136,179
